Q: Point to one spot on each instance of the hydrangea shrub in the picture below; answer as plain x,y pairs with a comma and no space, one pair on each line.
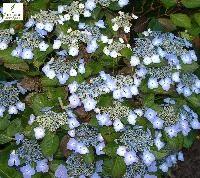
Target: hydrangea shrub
82,96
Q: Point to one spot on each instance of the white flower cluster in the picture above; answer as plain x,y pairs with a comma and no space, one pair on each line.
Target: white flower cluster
113,115
74,11
72,41
114,47
121,86
5,38
9,98
156,46
44,20
62,68
29,151
28,158
122,21
77,167
28,42
84,137
106,3
76,8
51,120
134,141
188,84
173,121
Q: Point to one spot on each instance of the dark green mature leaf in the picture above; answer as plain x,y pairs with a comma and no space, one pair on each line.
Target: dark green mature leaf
13,62
49,144
167,24
119,167
160,154
108,133
189,140
89,158
39,101
155,25
46,82
181,20
191,3
175,142
4,139
189,67
126,52
14,127
194,100
4,122
197,18
54,164
105,100
40,57
110,149
7,172
169,3
38,5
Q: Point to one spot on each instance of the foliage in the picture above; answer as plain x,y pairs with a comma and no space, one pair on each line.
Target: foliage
98,88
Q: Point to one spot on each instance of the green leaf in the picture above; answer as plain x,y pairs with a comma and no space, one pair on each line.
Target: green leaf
119,167
4,122
114,6
39,57
7,172
14,127
105,100
189,67
169,3
167,24
46,82
110,149
108,133
13,62
155,25
49,144
89,158
191,3
181,20
54,164
39,101
160,154
194,100
126,52
175,142
189,139
197,18
4,139
37,5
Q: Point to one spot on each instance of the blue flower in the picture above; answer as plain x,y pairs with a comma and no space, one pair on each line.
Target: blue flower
13,160
42,166
27,54
19,138
27,171
30,23
61,172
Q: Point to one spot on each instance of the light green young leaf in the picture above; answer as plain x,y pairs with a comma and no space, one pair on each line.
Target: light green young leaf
181,20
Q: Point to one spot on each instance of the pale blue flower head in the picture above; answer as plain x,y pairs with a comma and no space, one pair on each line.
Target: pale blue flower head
19,138
13,160
27,171
42,166
61,172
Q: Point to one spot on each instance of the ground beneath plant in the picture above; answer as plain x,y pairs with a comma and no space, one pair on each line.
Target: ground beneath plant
190,168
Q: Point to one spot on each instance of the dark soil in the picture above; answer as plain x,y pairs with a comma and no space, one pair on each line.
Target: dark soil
190,168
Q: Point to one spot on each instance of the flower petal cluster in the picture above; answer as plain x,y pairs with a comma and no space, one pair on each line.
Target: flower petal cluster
9,98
